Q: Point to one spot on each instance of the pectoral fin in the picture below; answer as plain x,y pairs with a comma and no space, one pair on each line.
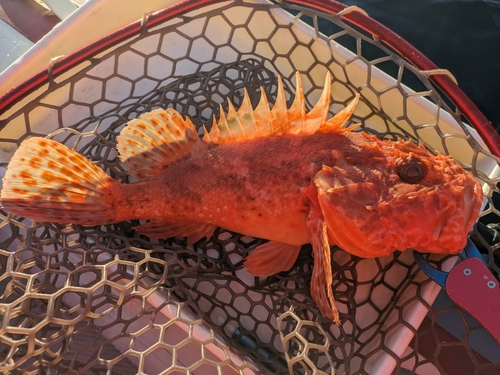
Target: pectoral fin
321,280
271,258
193,231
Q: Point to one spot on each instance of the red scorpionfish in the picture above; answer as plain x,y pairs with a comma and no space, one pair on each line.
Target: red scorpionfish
283,174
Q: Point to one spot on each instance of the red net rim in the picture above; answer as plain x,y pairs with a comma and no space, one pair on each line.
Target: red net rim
477,119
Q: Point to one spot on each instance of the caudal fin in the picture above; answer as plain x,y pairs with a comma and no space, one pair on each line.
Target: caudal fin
47,181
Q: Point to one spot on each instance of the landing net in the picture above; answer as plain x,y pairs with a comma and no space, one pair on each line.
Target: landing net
105,300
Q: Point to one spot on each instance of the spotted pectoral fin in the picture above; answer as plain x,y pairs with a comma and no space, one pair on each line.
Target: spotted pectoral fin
193,231
156,139
271,258
322,279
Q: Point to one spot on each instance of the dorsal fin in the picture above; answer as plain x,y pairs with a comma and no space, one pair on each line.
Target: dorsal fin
247,123
154,140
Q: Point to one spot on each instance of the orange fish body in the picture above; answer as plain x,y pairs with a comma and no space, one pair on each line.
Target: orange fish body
253,187
284,175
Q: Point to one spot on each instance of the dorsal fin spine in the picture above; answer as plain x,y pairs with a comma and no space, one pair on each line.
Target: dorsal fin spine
296,115
233,120
262,116
207,137
222,127
245,113
340,119
316,118
278,113
245,124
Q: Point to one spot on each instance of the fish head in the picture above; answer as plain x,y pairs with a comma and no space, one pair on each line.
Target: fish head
385,196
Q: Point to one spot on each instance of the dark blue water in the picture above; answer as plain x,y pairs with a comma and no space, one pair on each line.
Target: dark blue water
462,36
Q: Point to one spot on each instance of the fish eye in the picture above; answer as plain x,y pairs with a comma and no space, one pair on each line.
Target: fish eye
411,171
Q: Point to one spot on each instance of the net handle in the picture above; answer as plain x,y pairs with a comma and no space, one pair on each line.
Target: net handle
405,49
465,105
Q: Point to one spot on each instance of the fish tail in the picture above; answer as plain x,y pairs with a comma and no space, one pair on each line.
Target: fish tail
47,181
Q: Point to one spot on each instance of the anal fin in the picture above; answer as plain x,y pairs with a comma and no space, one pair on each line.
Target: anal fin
193,231
271,258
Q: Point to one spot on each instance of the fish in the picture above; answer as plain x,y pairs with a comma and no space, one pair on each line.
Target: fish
284,174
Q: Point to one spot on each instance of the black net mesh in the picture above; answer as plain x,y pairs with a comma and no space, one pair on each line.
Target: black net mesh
105,300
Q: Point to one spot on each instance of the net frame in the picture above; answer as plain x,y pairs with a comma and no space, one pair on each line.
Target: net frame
311,348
